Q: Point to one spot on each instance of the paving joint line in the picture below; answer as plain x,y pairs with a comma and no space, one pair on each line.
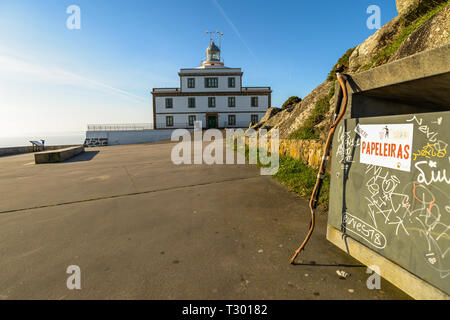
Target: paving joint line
126,195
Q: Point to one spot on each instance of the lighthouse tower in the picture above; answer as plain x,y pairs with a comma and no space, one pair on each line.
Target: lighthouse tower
212,56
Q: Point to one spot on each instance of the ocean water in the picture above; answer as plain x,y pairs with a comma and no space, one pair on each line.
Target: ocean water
50,140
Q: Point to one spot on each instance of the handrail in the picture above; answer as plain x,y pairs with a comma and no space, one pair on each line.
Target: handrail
120,127
150,126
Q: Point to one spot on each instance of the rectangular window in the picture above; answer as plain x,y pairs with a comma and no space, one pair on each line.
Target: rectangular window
231,82
191,102
211,102
211,82
231,102
169,121
191,120
169,103
254,101
231,120
254,118
191,82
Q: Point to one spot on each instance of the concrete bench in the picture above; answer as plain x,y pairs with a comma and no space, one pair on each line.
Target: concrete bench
57,155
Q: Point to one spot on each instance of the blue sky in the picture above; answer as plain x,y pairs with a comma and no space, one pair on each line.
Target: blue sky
53,79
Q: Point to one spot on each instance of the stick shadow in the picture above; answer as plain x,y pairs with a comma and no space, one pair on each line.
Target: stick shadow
330,265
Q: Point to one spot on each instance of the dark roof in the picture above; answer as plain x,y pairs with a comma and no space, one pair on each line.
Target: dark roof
212,47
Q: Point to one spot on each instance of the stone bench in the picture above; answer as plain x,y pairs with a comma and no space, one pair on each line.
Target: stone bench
57,155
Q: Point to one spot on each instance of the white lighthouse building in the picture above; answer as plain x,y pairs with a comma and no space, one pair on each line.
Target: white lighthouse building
212,94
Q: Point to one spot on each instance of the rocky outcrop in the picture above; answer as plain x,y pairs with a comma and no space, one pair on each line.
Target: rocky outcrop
269,114
432,34
289,120
366,51
385,45
405,6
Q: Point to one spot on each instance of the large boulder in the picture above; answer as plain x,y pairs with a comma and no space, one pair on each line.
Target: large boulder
366,51
433,33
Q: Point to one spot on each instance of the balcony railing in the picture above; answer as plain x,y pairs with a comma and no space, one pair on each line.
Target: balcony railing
255,88
121,127
150,126
166,89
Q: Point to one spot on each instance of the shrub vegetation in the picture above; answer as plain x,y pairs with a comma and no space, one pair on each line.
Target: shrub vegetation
292,100
308,129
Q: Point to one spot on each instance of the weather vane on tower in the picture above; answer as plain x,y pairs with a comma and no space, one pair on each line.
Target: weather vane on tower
214,35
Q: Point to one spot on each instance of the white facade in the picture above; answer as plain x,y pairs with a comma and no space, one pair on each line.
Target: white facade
198,75
212,94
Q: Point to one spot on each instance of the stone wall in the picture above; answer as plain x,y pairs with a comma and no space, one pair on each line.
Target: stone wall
309,152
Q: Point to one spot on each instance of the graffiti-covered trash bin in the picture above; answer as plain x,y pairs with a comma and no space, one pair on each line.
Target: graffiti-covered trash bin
390,173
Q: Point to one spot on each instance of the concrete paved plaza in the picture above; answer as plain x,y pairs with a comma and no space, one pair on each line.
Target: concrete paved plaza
140,227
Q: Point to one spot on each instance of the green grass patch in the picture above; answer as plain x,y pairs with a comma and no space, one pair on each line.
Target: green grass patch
245,150
424,8
305,132
297,176
300,178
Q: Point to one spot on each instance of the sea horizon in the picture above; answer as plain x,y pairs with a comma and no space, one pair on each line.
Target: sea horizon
51,139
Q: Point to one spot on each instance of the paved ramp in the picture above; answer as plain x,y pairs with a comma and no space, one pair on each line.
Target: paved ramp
140,227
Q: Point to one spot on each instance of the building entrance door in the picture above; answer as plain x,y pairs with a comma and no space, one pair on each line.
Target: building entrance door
212,122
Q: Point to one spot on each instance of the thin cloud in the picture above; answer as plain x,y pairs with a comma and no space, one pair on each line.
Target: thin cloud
235,29
13,66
